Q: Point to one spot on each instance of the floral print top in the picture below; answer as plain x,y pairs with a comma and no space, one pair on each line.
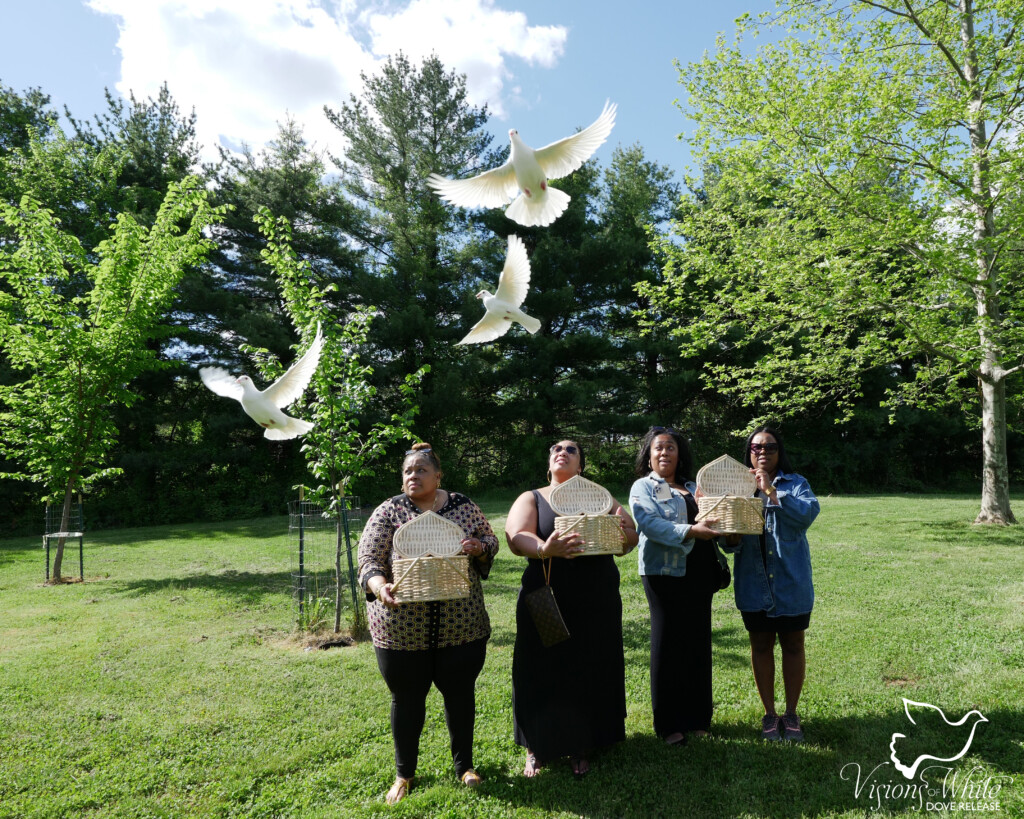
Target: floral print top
438,623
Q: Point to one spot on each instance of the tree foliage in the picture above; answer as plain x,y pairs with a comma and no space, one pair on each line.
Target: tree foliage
865,209
80,353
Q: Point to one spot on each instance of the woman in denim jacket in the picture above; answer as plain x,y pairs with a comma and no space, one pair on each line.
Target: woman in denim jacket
772,572
680,573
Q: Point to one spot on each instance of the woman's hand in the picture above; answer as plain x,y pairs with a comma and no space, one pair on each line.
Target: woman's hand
629,533
764,483
382,591
472,547
558,545
703,530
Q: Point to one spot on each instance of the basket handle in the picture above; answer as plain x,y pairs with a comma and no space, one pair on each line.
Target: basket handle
582,518
704,515
397,583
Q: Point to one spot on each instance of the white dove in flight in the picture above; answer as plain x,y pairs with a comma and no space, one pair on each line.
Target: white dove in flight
503,306
528,171
265,407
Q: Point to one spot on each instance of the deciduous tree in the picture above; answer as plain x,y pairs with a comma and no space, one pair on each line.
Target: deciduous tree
885,137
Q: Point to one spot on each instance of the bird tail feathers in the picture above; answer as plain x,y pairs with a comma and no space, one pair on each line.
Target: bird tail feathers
531,324
295,428
538,211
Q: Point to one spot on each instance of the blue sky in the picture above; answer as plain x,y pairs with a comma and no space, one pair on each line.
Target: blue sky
543,67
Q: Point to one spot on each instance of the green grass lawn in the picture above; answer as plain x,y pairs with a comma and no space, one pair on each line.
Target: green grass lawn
170,683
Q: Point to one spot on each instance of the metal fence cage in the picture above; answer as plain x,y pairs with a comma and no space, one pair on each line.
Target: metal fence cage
322,536
53,530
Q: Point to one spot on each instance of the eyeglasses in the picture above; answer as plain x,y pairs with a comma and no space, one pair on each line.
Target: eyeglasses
769,448
418,451
570,449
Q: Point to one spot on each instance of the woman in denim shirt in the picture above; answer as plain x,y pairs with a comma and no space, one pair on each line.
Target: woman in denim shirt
774,592
679,569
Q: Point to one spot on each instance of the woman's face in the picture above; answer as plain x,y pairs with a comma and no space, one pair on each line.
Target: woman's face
564,459
764,452
420,479
664,456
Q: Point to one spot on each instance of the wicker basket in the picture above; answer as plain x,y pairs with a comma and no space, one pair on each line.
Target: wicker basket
582,506
428,564
726,487
602,534
430,578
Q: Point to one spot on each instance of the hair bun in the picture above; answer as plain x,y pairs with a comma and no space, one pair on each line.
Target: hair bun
424,445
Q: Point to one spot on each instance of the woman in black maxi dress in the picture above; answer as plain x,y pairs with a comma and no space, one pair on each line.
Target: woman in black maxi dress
569,698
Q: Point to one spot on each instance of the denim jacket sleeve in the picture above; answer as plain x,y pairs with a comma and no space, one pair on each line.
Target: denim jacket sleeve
650,518
797,505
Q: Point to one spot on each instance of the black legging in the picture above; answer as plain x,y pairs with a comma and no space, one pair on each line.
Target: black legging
408,675
681,645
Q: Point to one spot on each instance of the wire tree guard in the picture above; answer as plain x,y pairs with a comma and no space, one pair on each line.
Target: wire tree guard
322,538
582,506
55,528
726,487
427,561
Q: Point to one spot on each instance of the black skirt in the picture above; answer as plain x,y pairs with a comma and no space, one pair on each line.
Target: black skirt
570,698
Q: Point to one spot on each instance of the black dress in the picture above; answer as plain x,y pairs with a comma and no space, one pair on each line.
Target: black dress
570,698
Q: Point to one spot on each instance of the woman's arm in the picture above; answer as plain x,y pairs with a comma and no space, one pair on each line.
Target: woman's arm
523,540
628,529
482,545
375,555
797,503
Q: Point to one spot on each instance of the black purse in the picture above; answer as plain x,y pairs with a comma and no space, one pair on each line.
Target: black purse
544,610
724,575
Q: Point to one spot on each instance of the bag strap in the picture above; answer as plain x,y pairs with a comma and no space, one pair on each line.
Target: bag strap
546,564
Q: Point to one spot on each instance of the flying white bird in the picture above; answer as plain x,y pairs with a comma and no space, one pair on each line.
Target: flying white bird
528,171
265,407
503,306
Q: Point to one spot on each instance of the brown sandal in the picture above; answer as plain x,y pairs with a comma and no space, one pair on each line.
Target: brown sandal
399,790
471,778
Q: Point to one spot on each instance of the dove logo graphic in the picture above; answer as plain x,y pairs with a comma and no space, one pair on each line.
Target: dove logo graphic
967,724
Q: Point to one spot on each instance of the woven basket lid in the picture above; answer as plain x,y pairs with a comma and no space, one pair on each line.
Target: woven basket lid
429,534
578,496
726,476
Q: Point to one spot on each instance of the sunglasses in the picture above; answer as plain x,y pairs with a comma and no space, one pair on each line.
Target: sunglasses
660,430
418,451
570,449
769,448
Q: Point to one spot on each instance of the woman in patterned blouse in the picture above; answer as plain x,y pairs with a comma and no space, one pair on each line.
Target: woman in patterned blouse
419,643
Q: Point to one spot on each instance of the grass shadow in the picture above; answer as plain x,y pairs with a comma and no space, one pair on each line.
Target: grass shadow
249,588
735,773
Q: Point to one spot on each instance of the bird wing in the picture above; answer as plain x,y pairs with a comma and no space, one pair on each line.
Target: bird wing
493,325
563,157
221,382
290,386
491,189
514,283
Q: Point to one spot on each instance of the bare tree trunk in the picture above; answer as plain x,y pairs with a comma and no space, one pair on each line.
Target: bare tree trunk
65,524
995,483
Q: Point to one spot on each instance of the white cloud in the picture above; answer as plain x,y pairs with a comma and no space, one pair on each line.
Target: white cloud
471,36
246,64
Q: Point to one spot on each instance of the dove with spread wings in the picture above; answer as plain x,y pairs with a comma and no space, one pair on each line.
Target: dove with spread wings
503,306
527,172
265,407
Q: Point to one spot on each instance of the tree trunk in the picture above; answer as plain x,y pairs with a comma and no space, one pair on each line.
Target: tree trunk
65,524
995,483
